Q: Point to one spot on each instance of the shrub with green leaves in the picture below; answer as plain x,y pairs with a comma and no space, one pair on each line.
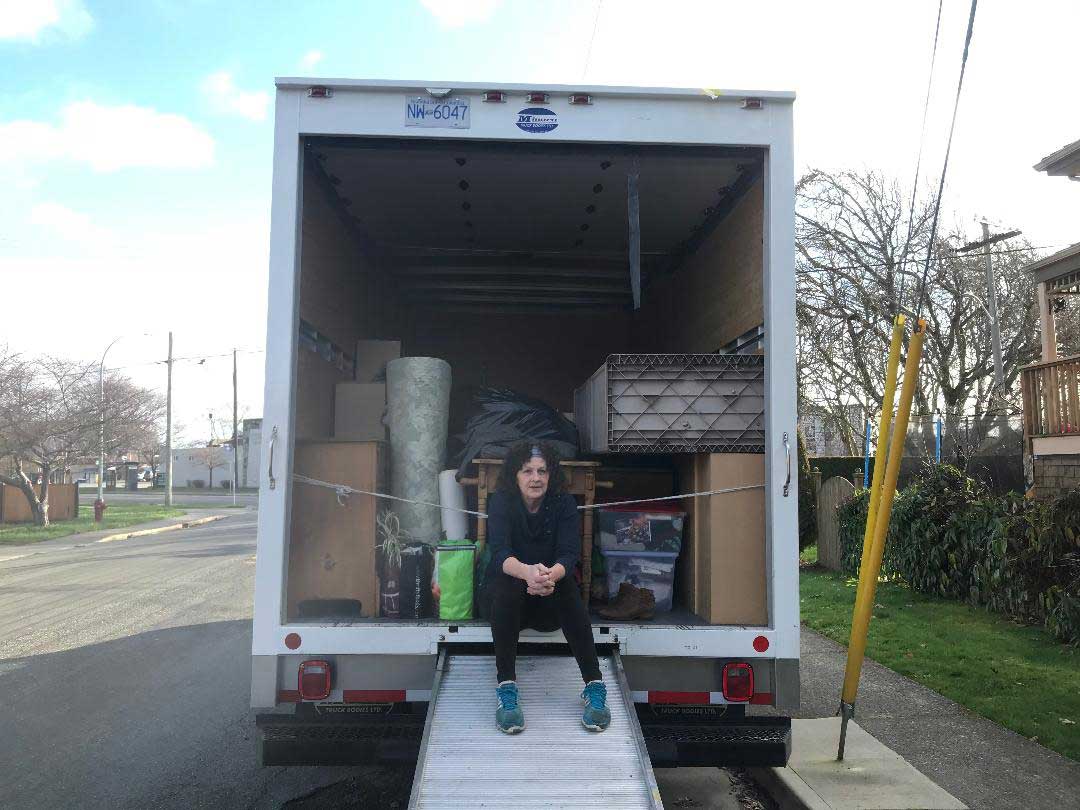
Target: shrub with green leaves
948,536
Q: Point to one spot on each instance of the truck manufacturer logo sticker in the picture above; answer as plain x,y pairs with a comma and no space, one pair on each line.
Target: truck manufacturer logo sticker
537,119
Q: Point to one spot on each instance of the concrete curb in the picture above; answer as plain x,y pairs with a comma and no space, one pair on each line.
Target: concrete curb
786,788
159,529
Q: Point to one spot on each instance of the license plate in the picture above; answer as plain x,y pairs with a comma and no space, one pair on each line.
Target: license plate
452,113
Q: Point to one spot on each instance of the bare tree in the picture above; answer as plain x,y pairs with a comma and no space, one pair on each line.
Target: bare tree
860,256
50,415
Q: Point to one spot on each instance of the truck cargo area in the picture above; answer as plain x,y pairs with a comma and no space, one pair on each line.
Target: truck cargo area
509,261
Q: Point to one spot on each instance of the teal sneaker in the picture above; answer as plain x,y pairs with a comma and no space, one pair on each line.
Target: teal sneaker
508,716
596,716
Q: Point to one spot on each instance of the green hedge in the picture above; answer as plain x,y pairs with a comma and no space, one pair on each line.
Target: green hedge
949,536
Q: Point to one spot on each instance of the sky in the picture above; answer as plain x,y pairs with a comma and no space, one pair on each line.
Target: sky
135,138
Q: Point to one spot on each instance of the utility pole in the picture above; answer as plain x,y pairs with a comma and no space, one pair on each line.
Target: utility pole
168,429
991,302
235,447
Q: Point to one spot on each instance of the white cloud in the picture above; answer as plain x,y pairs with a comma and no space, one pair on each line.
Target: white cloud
310,60
227,98
67,224
22,20
459,13
108,138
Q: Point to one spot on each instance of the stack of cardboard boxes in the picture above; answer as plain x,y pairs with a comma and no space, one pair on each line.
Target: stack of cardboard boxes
359,406
332,548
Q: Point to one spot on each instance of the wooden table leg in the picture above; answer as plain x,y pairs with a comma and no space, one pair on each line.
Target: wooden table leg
481,506
587,537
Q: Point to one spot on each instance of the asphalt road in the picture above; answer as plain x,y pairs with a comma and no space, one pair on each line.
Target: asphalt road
87,497
124,671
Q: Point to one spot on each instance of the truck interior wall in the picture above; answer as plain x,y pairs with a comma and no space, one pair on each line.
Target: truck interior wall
343,295
716,295
544,356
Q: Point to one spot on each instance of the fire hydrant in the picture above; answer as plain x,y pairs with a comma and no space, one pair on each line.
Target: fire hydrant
99,510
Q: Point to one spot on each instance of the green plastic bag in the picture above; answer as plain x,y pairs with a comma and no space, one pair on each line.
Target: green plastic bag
455,565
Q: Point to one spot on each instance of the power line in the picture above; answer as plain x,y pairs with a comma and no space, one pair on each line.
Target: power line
588,52
948,149
918,159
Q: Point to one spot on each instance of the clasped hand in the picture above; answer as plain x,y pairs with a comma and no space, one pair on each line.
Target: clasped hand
539,580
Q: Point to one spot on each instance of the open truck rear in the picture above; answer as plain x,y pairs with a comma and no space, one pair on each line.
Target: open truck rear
491,226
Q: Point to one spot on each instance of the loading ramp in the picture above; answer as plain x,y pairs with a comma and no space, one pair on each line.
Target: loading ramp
466,762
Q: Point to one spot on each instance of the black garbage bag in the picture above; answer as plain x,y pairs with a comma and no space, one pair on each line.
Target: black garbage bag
502,417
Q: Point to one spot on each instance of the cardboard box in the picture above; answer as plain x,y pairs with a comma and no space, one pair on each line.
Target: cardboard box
372,357
332,547
358,412
722,566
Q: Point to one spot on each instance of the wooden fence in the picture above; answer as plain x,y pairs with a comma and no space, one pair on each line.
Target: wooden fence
63,503
831,495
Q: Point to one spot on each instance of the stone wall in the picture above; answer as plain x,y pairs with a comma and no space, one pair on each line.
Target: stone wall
1056,474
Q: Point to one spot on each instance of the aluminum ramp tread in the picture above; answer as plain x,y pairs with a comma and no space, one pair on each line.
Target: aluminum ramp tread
554,763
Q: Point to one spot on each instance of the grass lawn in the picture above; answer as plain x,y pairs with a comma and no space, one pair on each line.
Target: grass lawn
1015,675
117,516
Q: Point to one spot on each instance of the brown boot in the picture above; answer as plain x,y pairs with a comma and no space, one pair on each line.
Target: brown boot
624,600
646,604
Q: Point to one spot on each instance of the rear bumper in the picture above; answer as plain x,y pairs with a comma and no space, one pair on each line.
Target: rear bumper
748,741
286,739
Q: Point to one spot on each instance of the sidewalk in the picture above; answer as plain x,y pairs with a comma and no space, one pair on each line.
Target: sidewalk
979,762
13,552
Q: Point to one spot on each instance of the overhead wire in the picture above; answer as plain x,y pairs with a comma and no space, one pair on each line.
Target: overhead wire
918,159
948,150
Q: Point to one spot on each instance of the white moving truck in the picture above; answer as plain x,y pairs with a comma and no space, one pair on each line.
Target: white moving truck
509,230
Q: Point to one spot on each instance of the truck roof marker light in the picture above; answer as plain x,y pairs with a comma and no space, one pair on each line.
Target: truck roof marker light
495,97
320,92
761,644
738,682
580,98
752,103
313,680
292,641
537,97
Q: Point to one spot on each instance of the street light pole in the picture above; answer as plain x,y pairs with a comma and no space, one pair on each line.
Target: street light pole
101,424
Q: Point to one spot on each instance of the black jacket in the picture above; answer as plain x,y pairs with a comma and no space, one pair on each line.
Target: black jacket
557,535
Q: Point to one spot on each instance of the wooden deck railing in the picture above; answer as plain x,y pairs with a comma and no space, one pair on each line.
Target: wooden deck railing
1052,397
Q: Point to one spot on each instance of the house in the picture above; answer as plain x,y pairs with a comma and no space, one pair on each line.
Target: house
1051,387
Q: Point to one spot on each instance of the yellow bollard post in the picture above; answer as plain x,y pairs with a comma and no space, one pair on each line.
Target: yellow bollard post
888,396
864,600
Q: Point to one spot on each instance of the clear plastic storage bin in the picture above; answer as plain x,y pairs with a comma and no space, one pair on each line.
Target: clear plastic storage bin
654,570
648,527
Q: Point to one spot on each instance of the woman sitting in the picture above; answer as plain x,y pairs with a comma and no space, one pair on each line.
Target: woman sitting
534,533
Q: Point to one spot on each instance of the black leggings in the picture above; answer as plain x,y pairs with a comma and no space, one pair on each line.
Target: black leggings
512,608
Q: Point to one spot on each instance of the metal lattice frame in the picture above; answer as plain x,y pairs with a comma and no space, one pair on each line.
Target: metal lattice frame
707,369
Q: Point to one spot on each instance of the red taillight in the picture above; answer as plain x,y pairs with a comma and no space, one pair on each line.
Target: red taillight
320,92
497,96
538,98
581,98
738,682
292,641
314,680
761,644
